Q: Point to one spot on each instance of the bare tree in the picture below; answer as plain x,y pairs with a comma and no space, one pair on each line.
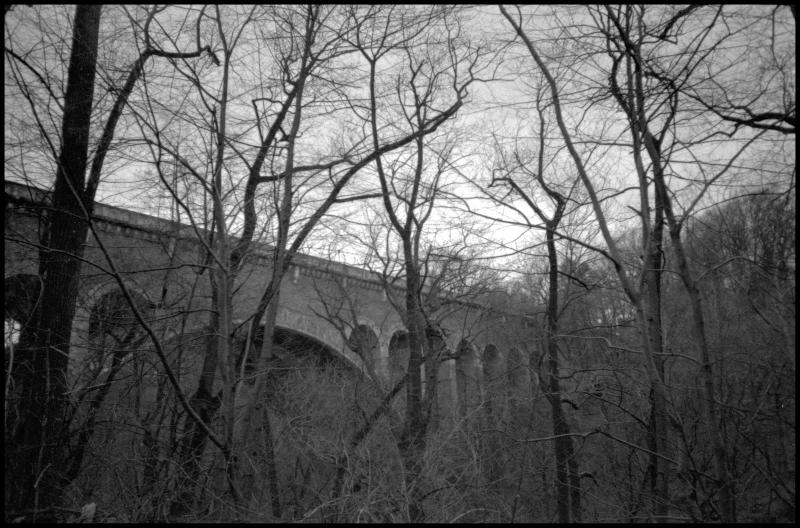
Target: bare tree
531,169
303,181
285,251
408,188
763,99
270,130
42,372
651,131
646,300
649,85
43,377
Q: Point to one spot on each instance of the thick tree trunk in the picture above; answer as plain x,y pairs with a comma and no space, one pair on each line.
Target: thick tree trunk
38,451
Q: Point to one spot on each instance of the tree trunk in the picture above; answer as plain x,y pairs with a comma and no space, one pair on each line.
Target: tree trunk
412,438
206,404
38,456
269,443
652,308
272,297
567,480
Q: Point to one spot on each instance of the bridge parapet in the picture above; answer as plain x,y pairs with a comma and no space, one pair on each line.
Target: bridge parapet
121,220
154,228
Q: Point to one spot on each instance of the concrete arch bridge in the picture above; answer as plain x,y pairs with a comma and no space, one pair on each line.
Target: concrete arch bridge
344,308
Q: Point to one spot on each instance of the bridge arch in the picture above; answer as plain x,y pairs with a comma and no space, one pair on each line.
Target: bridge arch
369,323
288,342
293,340
320,330
86,307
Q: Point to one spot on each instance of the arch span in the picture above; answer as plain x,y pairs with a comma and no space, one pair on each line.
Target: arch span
296,343
291,346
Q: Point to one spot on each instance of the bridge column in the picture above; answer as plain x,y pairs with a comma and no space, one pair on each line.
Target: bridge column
468,379
447,393
382,361
445,404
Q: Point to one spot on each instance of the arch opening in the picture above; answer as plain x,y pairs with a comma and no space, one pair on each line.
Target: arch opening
312,380
114,332
21,295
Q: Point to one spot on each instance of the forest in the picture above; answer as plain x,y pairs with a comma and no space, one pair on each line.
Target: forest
621,177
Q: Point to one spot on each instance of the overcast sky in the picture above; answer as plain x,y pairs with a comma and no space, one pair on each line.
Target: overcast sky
499,117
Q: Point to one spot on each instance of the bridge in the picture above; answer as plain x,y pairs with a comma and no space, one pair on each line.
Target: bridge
336,306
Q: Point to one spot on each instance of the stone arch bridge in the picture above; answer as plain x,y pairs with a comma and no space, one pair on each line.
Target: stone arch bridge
331,303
